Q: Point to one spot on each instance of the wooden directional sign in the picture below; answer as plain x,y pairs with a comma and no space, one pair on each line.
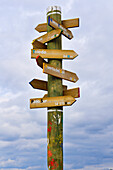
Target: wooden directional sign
41,27
70,23
55,54
75,92
48,36
64,74
40,61
41,84
51,101
39,45
53,23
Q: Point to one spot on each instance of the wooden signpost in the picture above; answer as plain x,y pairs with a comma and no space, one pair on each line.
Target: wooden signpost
60,73
56,54
51,101
53,23
49,46
49,36
69,23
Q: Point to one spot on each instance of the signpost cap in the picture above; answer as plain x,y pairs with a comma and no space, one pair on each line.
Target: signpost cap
53,8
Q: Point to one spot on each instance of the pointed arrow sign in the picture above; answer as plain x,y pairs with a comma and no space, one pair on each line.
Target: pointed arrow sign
51,101
56,54
75,92
69,23
39,45
41,27
60,73
53,23
40,61
48,36
41,84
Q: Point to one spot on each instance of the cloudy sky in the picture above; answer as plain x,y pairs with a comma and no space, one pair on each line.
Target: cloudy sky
88,124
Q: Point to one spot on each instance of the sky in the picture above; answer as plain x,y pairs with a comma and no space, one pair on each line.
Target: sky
88,124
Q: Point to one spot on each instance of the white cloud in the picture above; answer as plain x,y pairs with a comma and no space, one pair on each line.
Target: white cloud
13,169
8,162
29,144
14,125
68,166
33,168
68,5
4,144
97,167
31,13
8,96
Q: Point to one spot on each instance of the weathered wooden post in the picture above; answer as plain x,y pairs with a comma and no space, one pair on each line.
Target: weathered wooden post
49,46
55,114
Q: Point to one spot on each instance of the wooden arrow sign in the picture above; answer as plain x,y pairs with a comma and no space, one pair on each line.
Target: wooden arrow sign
75,92
60,73
53,23
48,36
56,54
41,27
41,84
40,61
51,101
39,45
69,23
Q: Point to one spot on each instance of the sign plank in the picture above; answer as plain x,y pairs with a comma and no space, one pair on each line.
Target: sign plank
41,27
41,84
51,101
75,92
69,23
48,36
53,23
60,73
56,54
40,61
39,45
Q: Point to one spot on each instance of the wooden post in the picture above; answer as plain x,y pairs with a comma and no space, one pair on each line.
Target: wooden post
55,114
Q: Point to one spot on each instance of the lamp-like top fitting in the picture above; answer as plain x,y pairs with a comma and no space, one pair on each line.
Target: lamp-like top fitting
53,9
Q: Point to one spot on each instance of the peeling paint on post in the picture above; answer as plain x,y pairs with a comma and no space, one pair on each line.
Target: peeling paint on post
55,114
